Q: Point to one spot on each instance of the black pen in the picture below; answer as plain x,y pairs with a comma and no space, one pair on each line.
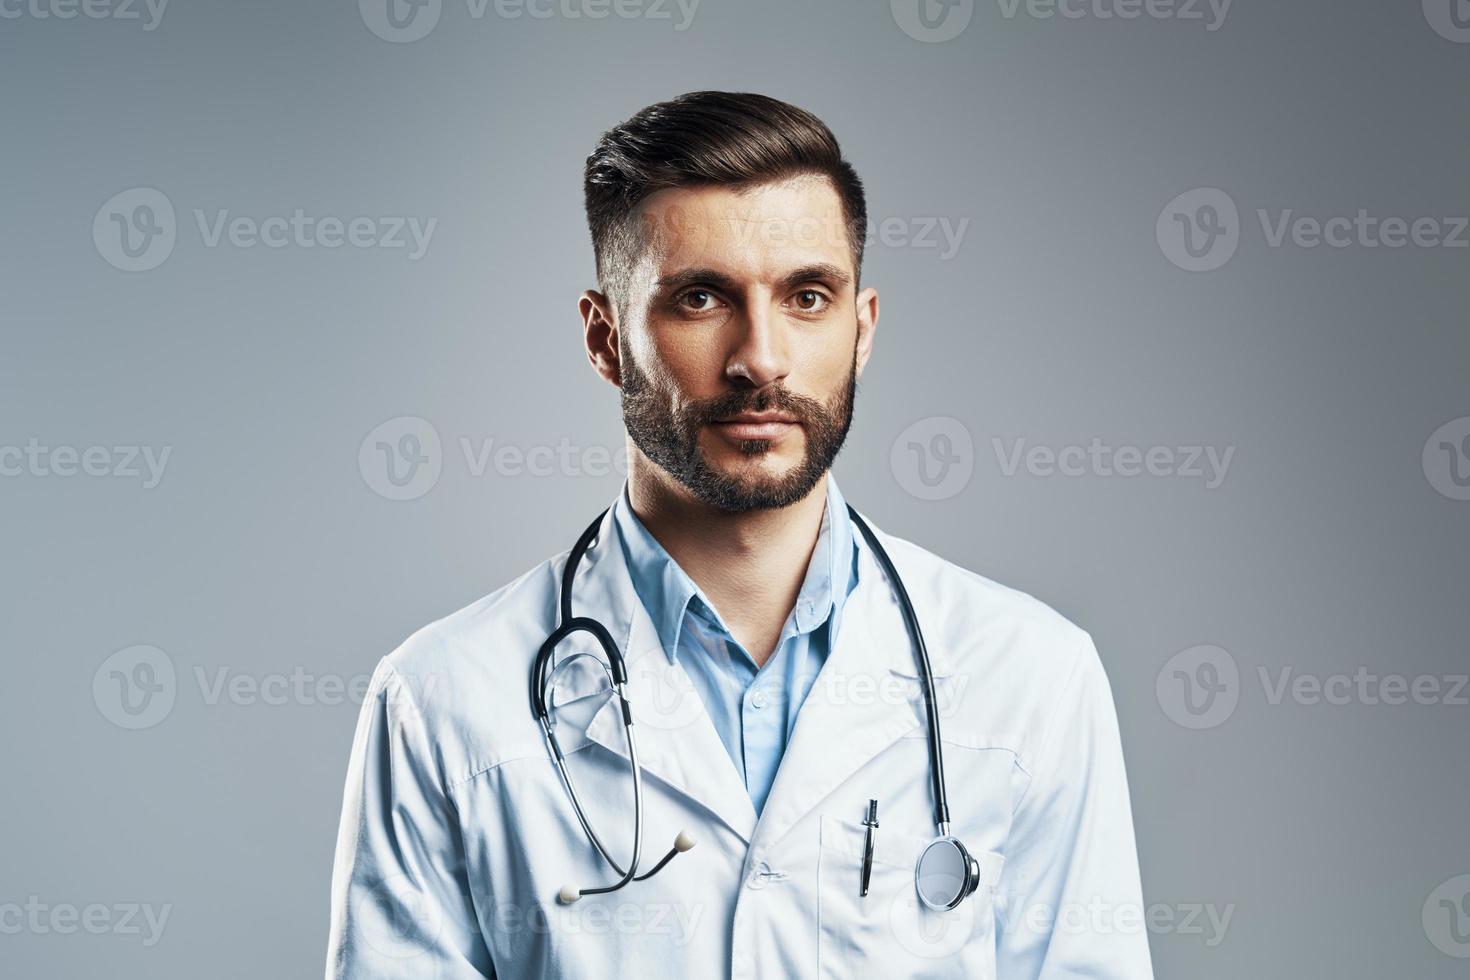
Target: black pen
872,824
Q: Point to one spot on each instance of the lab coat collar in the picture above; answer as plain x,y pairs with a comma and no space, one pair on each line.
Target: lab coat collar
677,741
667,590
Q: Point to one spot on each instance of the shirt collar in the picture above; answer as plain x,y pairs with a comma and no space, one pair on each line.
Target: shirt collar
668,593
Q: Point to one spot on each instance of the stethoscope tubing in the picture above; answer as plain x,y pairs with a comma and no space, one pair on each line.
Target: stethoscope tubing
931,706
542,673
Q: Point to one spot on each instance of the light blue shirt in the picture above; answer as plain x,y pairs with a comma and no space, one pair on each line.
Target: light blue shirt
753,708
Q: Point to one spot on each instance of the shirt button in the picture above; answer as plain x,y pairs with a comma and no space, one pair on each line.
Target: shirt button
758,700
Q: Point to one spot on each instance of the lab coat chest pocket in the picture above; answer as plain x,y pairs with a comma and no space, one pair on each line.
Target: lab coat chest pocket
888,933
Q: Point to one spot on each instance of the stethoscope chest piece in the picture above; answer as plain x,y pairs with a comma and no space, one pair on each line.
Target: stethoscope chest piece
946,874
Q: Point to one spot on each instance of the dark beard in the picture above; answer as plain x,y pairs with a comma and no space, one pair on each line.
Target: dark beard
670,437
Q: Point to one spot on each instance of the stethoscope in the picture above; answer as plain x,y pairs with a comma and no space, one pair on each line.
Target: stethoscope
945,873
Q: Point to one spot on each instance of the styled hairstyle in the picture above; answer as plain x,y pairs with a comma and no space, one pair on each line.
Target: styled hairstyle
701,139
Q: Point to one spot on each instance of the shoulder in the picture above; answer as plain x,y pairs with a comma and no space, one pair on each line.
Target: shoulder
984,611
464,677
480,634
1012,655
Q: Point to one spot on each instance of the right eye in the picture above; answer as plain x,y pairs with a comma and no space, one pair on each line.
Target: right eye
695,301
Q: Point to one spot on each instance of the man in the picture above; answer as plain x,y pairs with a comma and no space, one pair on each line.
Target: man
773,683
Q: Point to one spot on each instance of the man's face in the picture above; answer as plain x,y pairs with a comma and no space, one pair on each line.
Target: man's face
742,339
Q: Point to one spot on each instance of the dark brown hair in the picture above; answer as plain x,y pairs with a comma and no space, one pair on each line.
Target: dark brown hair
704,138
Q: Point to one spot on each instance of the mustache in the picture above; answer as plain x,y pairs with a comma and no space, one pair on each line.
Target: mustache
779,399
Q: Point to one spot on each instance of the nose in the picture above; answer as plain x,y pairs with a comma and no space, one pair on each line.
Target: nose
761,355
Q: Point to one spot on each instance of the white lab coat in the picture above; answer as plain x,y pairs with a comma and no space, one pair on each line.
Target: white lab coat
457,834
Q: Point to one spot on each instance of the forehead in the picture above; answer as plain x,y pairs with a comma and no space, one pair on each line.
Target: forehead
758,233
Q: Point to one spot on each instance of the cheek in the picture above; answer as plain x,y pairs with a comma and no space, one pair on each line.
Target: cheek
688,362
825,368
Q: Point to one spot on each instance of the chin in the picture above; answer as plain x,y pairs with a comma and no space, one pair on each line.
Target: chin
757,465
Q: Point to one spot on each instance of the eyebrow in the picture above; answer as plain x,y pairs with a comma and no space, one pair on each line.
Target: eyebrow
709,277
820,271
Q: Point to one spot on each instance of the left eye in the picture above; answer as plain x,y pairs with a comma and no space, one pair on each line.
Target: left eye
810,300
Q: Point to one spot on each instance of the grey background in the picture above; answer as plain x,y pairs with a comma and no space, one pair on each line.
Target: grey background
265,549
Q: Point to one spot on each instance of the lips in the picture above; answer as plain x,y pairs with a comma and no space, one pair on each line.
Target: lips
756,425
758,417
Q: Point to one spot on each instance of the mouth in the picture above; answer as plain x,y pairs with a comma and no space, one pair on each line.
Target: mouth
756,425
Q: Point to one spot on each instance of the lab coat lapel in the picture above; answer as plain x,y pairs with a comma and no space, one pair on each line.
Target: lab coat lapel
677,741
867,696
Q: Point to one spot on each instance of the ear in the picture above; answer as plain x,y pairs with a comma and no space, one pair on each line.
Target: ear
600,334
867,321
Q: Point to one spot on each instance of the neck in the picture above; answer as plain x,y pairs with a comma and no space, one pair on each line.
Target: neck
750,564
